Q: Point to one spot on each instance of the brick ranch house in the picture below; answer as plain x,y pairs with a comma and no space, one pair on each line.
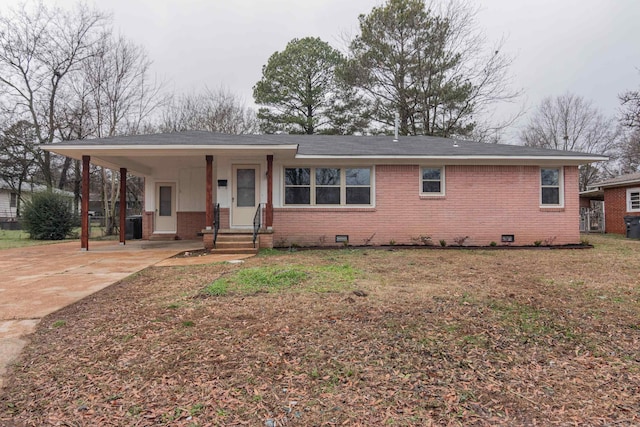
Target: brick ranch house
311,190
621,197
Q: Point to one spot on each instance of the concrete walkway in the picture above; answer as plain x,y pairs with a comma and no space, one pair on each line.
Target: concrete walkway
39,280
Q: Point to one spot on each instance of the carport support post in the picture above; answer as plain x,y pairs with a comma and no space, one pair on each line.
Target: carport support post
123,204
84,233
268,220
209,198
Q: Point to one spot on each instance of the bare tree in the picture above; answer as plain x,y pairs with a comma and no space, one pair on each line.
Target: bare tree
630,119
630,151
569,122
40,48
630,112
213,111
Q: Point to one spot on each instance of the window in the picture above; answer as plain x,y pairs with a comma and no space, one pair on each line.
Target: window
297,186
329,186
551,187
14,200
358,189
432,181
633,200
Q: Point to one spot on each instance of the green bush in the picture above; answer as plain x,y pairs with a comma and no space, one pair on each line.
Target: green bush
48,216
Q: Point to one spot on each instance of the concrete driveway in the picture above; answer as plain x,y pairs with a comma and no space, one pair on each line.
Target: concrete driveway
39,280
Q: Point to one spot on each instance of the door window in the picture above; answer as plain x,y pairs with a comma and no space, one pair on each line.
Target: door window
246,187
165,201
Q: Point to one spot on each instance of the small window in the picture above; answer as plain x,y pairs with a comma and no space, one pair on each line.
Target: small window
432,181
633,200
551,186
14,200
297,186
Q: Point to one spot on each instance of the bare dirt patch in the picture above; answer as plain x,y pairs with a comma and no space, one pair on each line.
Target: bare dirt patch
412,338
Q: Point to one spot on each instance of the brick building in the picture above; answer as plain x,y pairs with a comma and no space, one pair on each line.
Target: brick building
621,198
312,190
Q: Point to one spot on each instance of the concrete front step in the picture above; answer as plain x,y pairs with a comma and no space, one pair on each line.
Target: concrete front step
234,244
235,238
234,251
162,237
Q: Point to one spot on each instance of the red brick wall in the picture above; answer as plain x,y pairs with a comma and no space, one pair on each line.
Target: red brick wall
224,218
615,206
147,224
190,224
585,203
482,202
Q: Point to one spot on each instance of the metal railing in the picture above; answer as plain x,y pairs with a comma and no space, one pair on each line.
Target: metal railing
257,223
216,222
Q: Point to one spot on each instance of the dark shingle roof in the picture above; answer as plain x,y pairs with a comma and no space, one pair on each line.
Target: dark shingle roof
334,145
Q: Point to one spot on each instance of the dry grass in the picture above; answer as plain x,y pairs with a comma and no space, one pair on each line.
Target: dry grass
429,337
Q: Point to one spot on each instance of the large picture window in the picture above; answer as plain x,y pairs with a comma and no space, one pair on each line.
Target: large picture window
432,181
633,200
327,186
551,186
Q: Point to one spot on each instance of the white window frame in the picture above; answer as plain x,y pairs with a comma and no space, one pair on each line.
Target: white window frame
13,200
630,207
343,187
560,186
442,181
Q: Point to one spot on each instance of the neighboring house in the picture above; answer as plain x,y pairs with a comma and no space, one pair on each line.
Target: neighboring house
8,202
9,198
621,197
317,190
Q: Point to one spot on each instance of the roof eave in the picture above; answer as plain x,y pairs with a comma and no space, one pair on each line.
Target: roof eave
619,183
577,160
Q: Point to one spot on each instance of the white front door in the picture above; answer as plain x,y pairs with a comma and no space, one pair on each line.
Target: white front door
165,208
245,194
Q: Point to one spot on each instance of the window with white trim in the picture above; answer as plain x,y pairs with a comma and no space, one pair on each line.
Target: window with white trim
327,186
551,187
633,200
13,202
432,181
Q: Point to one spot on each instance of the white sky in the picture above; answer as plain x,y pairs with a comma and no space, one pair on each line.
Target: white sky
588,47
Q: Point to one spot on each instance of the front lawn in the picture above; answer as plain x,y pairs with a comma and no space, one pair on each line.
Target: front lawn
347,337
18,239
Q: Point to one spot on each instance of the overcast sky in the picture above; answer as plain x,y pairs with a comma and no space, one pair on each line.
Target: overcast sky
588,47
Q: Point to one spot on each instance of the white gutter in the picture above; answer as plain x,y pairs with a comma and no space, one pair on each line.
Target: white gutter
454,157
97,147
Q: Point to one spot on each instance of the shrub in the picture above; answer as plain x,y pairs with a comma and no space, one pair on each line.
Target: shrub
48,216
422,239
460,240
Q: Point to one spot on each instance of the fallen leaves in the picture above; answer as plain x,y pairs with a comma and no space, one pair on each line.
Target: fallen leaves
442,338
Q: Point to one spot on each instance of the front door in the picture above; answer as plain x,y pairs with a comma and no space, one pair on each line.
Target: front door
165,208
245,194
